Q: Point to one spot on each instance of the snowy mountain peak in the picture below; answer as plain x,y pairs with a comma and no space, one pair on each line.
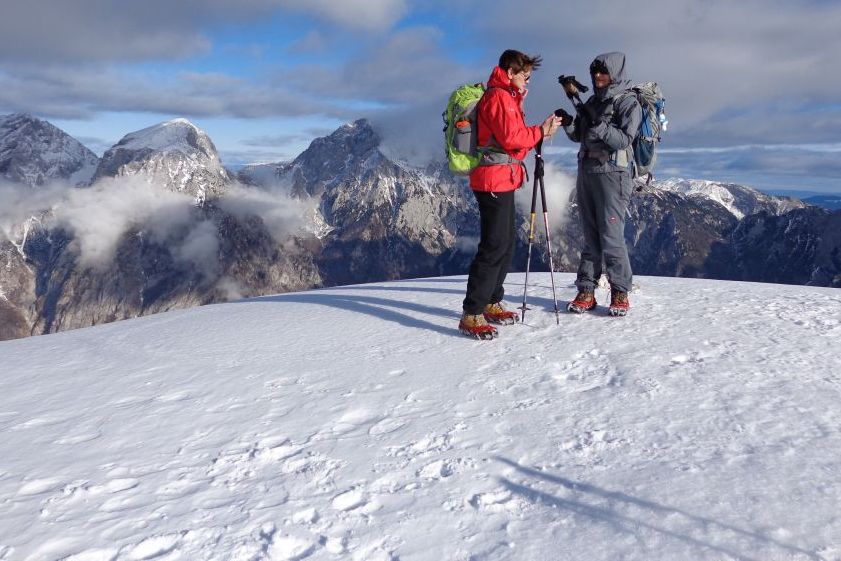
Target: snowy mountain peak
739,200
176,154
34,152
177,134
353,139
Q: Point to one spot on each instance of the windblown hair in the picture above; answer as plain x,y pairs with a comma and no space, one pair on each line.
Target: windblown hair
517,61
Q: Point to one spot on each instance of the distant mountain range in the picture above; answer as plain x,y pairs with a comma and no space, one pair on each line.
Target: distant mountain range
341,212
832,202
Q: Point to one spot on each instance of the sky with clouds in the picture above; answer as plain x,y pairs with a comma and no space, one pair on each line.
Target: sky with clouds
753,88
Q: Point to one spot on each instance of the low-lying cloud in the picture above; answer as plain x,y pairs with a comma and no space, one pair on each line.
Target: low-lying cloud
281,214
558,186
101,215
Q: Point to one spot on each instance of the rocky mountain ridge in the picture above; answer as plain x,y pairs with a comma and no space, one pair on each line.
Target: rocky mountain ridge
34,152
366,218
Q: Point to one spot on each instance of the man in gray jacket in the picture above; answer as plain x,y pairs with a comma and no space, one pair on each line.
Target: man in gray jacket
605,126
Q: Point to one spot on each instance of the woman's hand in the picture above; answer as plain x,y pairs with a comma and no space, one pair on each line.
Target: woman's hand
550,125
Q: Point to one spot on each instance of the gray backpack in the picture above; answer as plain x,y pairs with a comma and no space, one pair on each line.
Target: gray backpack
653,123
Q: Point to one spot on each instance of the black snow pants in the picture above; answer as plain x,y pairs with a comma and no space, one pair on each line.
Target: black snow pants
496,249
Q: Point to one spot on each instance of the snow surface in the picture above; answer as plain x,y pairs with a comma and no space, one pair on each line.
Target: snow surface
164,137
356,423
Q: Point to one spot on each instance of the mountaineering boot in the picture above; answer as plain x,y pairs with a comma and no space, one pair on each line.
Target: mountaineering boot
476,326
584,302
619,303
496,313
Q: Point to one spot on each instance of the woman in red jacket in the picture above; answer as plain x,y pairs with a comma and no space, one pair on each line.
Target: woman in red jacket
504,139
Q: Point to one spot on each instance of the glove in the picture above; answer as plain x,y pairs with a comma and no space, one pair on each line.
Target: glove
566,118
596,132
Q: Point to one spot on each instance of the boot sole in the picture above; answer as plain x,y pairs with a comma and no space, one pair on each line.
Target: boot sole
482,335
577,309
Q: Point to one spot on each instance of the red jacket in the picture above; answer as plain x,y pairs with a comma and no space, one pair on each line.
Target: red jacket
500,114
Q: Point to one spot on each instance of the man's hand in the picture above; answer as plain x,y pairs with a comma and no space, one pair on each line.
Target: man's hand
570,89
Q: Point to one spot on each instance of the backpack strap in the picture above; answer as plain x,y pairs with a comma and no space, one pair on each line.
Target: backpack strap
622,158
493,154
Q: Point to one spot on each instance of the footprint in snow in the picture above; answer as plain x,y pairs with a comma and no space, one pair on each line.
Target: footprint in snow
174,397
292,547
180,488
79,438
351,421
386,426
501,500
154,547
93,555
349,500
40,486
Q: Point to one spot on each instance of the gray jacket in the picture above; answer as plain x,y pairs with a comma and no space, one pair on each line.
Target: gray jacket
606,142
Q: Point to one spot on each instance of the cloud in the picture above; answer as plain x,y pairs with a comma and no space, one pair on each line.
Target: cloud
72,93
412,134
103,30
764,167
20,203
755,72
282,214
201,247
408,66
558,186
101,215
709,57
89,30
305,135
313,42
358,14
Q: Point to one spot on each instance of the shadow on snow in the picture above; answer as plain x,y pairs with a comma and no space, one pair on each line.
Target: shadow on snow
610,513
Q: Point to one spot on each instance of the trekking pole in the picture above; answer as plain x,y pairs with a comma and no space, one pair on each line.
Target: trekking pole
548,237
538,163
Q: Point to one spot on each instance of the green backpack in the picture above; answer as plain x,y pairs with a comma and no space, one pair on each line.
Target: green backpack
460,128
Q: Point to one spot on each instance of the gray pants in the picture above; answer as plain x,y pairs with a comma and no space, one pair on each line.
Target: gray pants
602,203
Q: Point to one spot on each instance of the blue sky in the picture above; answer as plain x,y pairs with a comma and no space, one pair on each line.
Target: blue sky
753,89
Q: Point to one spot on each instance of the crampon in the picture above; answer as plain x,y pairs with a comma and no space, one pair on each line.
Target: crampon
476,326
584,302
619,303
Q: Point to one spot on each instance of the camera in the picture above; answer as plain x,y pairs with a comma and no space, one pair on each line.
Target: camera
566,118
571,85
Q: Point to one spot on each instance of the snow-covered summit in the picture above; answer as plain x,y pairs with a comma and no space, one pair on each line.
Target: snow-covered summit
740,200
176,134
356,423
175,154
34,152
355,139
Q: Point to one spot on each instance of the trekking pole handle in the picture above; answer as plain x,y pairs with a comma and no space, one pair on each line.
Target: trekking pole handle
538,161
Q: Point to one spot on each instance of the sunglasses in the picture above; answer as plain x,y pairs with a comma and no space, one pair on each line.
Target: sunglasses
598,67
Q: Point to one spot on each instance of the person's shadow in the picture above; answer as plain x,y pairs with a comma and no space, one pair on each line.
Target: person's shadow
618,502
401,311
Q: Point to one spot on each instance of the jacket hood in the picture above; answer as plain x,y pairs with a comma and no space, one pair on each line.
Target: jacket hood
615,63
499,79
